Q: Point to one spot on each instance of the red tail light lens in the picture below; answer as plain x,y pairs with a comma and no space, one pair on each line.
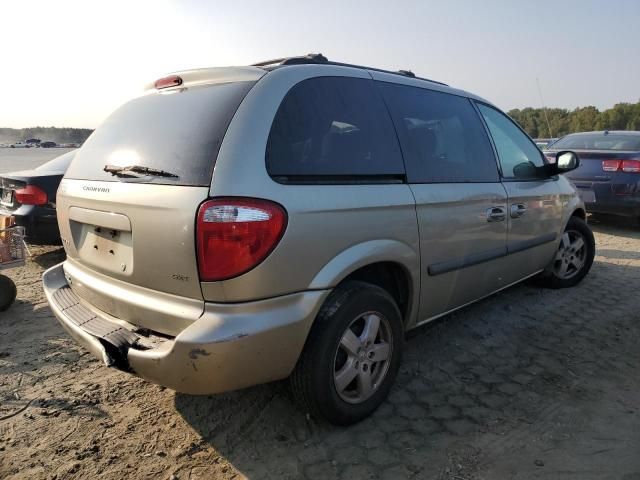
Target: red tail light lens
166,82
631,166
31,195
610,165
235,234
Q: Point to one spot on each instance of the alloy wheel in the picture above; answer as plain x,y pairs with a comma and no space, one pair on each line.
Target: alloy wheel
362,359
571,255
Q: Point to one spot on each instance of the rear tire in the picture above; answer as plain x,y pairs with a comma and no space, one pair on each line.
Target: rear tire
351,356
8,292
574,257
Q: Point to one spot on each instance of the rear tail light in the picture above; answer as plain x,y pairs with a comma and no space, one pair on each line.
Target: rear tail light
551,158
235,234
31,195
629,166
610,165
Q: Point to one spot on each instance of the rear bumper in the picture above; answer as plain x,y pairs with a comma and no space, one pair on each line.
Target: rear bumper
621,208
613,198
230,346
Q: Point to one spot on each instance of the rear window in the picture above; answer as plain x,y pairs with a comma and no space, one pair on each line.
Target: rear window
598,141
179,131
333,127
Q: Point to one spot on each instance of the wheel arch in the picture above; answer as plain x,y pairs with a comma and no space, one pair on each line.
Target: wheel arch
389,264
580,213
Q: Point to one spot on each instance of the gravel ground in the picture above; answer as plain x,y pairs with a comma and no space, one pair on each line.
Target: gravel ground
528,384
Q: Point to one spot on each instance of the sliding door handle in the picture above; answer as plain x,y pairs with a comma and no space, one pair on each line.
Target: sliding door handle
496,214
518,210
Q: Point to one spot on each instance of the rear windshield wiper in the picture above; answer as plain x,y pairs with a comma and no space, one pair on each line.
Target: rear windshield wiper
136,171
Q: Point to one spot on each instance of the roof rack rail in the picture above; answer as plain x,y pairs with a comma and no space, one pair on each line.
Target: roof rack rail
301,60
275,61
319,59
309,58
407,73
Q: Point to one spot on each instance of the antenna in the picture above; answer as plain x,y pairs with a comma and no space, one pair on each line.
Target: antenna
544,108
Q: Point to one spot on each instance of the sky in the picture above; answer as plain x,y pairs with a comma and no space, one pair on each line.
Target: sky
72,62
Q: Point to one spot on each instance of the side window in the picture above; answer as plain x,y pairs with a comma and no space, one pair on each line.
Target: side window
442,137
333,126
519,156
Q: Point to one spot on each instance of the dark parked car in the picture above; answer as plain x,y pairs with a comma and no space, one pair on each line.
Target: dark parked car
608,177
30,197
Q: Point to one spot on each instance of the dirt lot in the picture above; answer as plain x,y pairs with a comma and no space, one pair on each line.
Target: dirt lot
528,384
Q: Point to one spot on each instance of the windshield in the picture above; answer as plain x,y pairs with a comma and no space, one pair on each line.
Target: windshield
58,164
599,141
179,131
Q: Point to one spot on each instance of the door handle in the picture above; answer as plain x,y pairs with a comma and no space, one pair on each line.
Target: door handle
518,210
496,214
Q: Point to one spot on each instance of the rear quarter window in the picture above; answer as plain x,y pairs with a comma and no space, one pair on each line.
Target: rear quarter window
177,131
333,128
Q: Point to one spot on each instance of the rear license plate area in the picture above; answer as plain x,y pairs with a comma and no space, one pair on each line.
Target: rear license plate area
586,194
108,249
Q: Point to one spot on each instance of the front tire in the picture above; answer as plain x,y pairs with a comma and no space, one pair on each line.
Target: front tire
574,257
351,356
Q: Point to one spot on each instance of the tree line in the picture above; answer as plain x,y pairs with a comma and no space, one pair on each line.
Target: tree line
622,116
51,134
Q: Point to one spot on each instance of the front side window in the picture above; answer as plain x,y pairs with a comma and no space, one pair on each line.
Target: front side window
333,127
519,157
442,137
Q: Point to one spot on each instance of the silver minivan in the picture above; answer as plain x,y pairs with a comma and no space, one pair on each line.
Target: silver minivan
294,218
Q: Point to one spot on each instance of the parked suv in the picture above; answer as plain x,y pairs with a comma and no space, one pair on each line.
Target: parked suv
295,218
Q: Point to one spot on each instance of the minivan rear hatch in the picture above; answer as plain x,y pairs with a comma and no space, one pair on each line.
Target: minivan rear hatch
128,202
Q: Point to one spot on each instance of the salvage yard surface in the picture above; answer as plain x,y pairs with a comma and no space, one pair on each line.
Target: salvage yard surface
18,159
528,384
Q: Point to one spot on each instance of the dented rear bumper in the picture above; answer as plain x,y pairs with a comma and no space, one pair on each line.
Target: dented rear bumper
230,346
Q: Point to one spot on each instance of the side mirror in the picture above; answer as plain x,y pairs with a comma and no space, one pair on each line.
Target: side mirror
565,162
